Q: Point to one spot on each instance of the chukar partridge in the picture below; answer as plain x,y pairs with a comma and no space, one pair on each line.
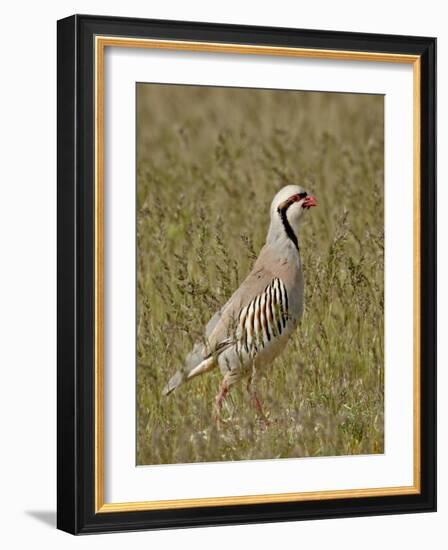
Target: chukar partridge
253,327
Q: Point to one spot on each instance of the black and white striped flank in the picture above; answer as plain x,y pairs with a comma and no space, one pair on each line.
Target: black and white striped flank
263,319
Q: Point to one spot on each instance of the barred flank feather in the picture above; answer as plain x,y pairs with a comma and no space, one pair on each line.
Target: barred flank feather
263,319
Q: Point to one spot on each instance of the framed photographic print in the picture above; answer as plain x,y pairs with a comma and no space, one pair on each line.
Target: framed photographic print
246,274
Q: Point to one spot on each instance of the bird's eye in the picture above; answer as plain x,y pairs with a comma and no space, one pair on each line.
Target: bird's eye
302,195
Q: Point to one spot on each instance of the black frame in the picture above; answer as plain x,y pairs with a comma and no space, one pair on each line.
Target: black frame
75,428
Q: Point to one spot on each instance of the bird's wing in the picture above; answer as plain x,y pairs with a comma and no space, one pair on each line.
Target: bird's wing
261,289
219,329
255,314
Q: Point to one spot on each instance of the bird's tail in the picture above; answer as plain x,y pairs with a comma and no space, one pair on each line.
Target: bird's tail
174,382
182,376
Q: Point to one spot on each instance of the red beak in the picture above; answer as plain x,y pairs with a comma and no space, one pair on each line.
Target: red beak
309,201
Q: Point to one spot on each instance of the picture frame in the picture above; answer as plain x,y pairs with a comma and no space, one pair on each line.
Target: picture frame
82,196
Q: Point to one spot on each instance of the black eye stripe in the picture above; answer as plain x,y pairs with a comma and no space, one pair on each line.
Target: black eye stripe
291,200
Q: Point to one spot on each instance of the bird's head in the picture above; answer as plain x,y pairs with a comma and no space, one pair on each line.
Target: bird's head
287,210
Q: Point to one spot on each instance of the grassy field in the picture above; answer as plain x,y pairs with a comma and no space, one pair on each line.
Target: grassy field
209,161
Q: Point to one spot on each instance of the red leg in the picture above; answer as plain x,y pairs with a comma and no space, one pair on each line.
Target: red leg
258,405
223,391
260,410
257,402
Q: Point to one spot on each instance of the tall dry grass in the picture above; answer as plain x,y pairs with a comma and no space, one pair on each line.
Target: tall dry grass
209,161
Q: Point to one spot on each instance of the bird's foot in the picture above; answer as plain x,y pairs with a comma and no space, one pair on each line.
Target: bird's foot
263,418
220,422
224,390
264,422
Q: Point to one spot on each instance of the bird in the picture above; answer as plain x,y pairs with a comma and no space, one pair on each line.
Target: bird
253,327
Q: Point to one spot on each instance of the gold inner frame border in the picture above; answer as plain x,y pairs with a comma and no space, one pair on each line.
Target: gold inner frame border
100,44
